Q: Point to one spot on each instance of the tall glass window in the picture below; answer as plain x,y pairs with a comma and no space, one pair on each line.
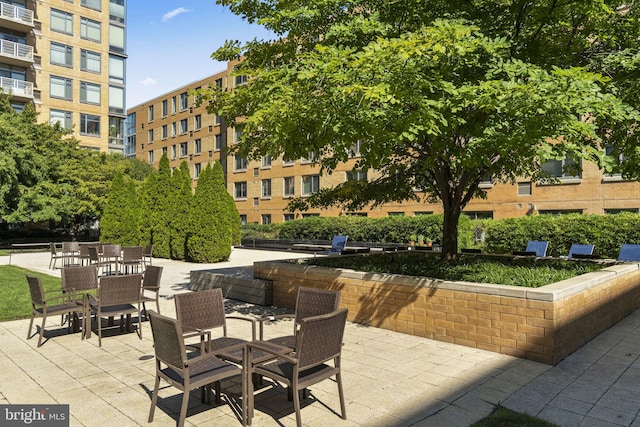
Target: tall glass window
89,124
92,4
90,29
61,54
116,99
116,69
116,38
60,87
89,93
117,11
90,61
62,22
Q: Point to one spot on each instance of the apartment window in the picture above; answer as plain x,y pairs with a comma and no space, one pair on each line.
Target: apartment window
174,151
117,11
354,151
165,131
423,213
310,184
150,156
356,175
618,158
479,214
63,118
217,120
92,4
559,211
289,217
266,162
116,38
618,211
524,189
183,126
256,201
197,122
237,135
90,61
311,215
165,108
256,171
240,80
218,143
90,29
243,219
13,72
287,162
218,83
89,124
266,188
240,163
116,69
197,146
561,168
240,190
150,112
61,54
60,87
174,105
197,168
116,99
89,93
266,219
61,22
309,158
289,186
396,214
184,101
165,151
150,135
174,129
183,149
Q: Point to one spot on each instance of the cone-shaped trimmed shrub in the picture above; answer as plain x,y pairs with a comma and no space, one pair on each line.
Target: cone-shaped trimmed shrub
119,222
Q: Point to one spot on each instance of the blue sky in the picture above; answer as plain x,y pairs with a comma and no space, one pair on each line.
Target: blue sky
169,43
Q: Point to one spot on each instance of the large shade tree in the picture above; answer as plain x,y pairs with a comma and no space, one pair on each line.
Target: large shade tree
437,96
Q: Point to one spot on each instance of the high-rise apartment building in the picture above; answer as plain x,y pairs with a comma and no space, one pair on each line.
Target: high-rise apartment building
262,189
68,58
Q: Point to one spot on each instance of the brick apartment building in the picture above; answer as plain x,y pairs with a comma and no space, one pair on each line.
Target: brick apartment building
68,59
172,124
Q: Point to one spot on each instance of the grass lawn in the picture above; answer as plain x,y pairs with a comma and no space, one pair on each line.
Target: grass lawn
501,270
503,417
15,299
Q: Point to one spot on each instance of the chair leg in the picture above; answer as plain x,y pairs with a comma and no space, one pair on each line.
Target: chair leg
154,398
296,406
343,409
44,318
183,408
218,391
99,320
30,326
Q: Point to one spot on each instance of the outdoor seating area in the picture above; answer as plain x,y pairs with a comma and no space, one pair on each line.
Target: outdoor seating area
438,383
109,258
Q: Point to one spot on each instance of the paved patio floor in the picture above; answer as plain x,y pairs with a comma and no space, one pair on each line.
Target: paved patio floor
390,379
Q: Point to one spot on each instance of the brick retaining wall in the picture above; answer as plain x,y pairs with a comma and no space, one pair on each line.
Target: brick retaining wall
544,324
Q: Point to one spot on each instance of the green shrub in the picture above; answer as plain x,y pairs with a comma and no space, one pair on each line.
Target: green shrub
260,231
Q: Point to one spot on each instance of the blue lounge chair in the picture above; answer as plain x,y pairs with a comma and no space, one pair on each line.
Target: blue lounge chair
534,248
579,250
629,252
337,245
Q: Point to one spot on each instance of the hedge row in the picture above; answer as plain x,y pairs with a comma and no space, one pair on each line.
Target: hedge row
392,229
606,232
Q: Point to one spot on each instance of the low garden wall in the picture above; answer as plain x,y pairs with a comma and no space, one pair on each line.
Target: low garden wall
544,324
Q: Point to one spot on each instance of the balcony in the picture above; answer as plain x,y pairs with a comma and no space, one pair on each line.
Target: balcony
15,17
17,89
16,53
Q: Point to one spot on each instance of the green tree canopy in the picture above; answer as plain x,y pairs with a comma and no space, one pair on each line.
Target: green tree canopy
438,96
119,222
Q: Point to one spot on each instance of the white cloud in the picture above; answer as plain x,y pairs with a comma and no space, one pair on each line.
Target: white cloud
174,12
149,81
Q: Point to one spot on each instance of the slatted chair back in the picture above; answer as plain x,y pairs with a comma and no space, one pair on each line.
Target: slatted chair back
82,278
320,339
116,290
167,339
36,290
201,310
313,302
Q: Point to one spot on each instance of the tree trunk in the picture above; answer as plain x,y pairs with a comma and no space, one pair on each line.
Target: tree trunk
450,233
